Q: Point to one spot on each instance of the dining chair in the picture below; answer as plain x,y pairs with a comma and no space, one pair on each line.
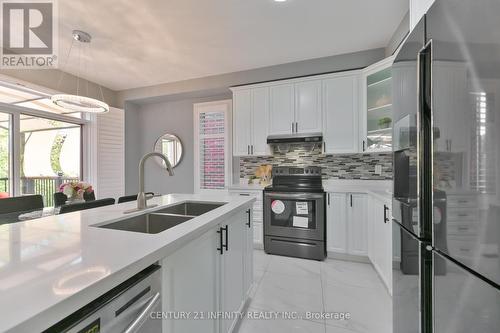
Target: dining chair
133,197
86,205
89,196
59,199
24,203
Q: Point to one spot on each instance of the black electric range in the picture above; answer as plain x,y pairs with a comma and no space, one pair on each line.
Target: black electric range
294,213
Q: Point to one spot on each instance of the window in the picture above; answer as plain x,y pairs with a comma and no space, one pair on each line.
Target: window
50,155
211,140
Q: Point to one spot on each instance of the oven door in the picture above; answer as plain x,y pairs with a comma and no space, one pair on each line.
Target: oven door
294,215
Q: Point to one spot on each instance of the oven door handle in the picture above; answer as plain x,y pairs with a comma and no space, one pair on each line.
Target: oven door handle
144,315
304,196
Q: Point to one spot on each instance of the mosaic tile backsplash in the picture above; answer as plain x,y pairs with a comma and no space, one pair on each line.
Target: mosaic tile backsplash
338,166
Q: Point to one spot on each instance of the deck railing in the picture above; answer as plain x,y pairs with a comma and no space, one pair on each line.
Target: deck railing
46,186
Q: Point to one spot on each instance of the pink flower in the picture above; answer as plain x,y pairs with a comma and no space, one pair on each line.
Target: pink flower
62,186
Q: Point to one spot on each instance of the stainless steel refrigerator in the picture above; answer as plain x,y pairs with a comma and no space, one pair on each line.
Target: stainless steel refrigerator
446,149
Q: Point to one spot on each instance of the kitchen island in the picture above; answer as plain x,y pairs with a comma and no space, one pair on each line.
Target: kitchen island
53,266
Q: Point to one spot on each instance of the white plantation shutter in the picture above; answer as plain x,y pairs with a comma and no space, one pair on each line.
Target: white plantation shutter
110,154
211,140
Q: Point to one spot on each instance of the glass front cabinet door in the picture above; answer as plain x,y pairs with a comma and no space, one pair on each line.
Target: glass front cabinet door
376,115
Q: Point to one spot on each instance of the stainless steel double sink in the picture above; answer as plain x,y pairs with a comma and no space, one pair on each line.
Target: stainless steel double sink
163,219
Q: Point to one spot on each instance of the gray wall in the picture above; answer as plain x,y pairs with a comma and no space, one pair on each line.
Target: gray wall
143,125
132,147
399,35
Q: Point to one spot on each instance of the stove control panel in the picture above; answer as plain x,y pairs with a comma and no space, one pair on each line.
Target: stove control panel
293,171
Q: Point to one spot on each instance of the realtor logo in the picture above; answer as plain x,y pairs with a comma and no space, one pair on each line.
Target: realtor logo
29,34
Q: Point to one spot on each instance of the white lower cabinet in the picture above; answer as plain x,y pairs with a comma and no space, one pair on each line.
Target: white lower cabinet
257,214
191,278
202,279
233,269
380,239
336,222
357,243
346,223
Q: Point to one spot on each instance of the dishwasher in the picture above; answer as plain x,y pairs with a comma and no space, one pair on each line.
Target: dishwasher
126,308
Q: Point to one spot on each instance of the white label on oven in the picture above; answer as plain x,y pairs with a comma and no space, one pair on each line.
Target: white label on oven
301,208
300,222
278,207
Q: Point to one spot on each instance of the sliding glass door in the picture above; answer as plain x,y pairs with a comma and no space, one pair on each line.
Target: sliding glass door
5,154
40,143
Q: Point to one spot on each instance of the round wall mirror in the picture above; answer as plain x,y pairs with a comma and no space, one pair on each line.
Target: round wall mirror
171,146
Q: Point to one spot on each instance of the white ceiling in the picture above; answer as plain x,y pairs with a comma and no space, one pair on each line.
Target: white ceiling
148,42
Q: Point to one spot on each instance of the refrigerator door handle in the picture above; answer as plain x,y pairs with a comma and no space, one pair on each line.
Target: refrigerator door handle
425,139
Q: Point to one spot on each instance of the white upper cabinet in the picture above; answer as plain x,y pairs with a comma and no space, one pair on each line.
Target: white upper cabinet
353,110
260,116
295,107
250,121
242,115
341,114
282,112
308,106
376,113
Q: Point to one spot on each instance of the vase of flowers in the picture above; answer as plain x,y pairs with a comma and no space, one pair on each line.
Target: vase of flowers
75,191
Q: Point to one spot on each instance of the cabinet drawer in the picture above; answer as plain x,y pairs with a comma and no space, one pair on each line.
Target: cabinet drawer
457,214
462,201
462,246
462,229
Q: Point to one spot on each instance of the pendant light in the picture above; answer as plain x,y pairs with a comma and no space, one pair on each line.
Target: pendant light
78,103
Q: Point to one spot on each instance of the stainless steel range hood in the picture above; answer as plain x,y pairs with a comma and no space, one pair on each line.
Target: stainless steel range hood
295,138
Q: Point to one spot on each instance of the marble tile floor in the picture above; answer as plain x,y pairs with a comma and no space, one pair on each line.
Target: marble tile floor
293,287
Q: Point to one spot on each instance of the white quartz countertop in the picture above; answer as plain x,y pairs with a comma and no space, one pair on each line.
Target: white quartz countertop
382,189
246,187
51,266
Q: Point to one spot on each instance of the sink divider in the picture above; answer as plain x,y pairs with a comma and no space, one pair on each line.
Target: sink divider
171,214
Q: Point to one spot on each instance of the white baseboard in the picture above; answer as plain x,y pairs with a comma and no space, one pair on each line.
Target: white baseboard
348,257
258,246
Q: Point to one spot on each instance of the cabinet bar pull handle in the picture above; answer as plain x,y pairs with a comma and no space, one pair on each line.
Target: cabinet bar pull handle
248,223
292,129
252,149
385,214
296,127
221,247
363,145
226,246
328,199
351,200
